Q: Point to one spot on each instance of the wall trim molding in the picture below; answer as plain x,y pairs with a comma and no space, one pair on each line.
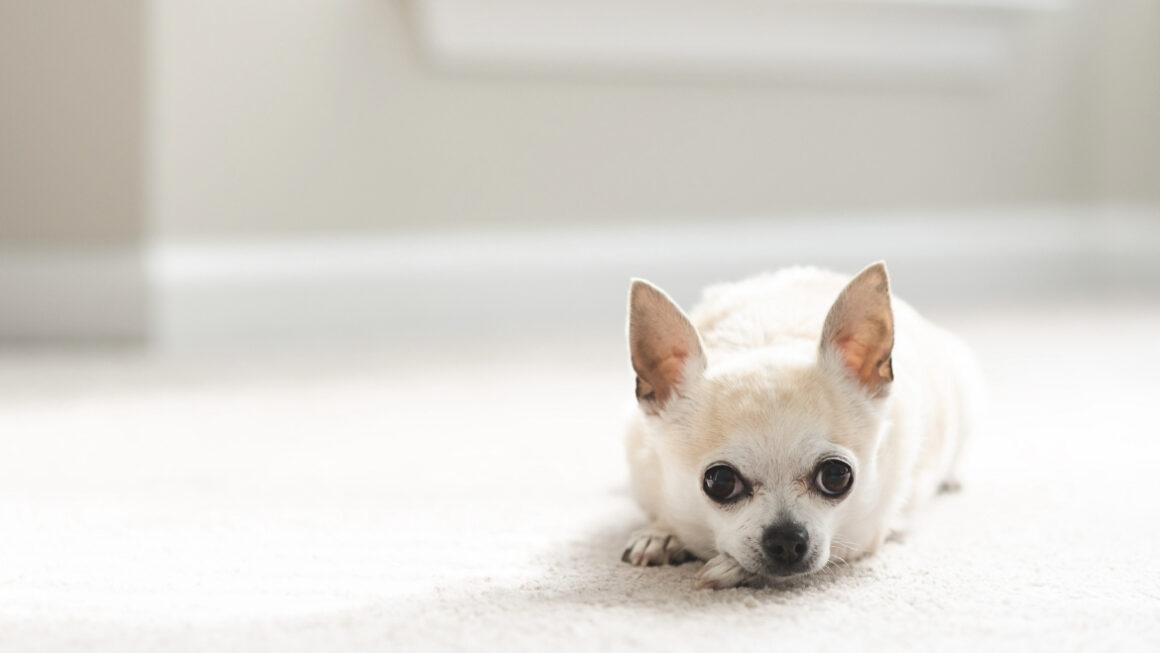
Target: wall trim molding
54,294
564,281
489,283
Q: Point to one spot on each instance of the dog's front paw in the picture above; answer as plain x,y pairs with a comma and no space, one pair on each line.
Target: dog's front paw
653,546
723,572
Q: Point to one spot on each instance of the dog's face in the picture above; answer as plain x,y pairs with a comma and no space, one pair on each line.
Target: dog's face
765,452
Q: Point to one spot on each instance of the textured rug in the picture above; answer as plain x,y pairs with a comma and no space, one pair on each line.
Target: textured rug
474,499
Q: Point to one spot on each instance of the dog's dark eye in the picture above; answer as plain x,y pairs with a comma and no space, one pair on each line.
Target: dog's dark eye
834,478
723,484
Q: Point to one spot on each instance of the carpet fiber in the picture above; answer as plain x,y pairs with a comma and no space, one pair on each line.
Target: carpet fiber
378,499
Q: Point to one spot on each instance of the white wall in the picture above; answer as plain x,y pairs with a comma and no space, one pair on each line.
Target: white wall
312,116
71,102
1125,93
127,125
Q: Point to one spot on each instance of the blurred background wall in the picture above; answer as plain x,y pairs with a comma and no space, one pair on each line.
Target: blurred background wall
72,141
1125,136
312,116
169,167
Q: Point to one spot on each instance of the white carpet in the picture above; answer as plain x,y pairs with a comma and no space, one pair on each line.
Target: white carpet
375,499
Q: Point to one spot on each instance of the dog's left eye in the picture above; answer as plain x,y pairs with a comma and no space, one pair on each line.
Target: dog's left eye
723,484
834,478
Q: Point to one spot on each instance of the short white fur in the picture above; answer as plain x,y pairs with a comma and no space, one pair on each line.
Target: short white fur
772,376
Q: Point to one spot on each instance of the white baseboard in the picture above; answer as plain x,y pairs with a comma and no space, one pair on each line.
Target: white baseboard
487,284
72,294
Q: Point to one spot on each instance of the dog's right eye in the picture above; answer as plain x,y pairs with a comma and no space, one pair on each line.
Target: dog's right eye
723,484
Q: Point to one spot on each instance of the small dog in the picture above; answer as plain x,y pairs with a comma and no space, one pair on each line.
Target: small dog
773,436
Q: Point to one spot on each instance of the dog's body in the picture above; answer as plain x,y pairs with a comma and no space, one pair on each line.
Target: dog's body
774,436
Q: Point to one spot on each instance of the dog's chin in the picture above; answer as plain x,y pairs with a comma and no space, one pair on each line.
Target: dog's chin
780,575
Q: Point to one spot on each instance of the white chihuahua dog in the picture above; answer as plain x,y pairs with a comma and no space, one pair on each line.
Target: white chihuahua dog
773,436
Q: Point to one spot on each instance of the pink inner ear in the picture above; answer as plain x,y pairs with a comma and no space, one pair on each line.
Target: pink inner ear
867,354
667,372
860,327
855,353
663,343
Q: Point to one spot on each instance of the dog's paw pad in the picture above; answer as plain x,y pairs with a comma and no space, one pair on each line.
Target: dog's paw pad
653,548
723,572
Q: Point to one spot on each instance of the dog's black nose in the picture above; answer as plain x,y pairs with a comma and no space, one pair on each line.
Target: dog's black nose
785,544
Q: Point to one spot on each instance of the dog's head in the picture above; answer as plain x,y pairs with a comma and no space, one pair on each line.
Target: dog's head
765,452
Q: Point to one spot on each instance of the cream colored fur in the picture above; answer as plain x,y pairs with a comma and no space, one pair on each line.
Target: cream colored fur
760,391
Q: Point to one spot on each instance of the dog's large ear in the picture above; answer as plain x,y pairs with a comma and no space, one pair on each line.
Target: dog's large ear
664,345
859,331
